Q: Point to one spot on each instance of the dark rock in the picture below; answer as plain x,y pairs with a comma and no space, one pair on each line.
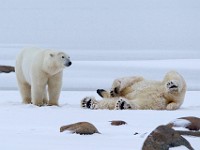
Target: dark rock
80,128
7,69
163,138
117,122
193,123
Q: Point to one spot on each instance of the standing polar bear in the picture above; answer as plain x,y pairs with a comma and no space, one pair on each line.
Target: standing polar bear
35,70
139,93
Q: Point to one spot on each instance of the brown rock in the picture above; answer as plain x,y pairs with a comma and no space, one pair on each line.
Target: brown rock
163,138
193,125
117,122
189,133
80,128
7,69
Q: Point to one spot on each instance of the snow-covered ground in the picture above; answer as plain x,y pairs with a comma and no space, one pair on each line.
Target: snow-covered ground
31,127
106,39
37,128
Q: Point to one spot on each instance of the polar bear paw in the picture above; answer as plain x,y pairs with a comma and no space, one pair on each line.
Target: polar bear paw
89,102
172,86
115,90
122,104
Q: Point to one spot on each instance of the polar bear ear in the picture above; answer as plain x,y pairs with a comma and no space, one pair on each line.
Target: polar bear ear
51,54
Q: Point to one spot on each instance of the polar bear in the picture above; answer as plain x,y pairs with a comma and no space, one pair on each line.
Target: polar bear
35,70
139,93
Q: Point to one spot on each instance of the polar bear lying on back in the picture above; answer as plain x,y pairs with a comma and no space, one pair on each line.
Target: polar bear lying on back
139,93
37,68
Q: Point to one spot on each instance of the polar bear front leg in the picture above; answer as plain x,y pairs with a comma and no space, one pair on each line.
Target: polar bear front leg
54,88
38,87
37,91
45,97
115,89
122,83
173,86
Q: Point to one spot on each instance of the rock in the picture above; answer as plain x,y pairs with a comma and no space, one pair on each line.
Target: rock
189,133
163,138
117,122
191,123
7,69
80,128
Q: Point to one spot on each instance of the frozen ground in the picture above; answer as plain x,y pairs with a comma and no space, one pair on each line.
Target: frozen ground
30,127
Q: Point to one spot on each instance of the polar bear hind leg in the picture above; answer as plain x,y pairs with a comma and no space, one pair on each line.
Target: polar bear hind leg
122,104
25,90
24,87
89,102
92,103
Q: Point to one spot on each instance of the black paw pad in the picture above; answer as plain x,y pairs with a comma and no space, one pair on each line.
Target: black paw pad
114,92
122,105
88,104
171,85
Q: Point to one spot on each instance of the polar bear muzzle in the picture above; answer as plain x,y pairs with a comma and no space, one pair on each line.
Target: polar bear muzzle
68,63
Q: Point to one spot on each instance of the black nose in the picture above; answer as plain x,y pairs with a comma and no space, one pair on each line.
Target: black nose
69,63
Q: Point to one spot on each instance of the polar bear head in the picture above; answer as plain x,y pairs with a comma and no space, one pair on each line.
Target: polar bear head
55,61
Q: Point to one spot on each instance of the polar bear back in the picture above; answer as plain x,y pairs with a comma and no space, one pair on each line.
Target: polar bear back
24,61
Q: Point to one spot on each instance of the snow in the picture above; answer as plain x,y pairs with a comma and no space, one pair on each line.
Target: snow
105,39
181,123
32,127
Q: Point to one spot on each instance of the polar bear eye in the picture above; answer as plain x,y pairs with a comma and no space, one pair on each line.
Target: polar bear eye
63,57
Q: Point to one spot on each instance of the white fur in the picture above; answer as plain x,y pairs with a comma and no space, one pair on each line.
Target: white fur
35,70
139,93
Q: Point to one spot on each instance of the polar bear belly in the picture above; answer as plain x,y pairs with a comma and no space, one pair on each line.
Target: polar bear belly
142,87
